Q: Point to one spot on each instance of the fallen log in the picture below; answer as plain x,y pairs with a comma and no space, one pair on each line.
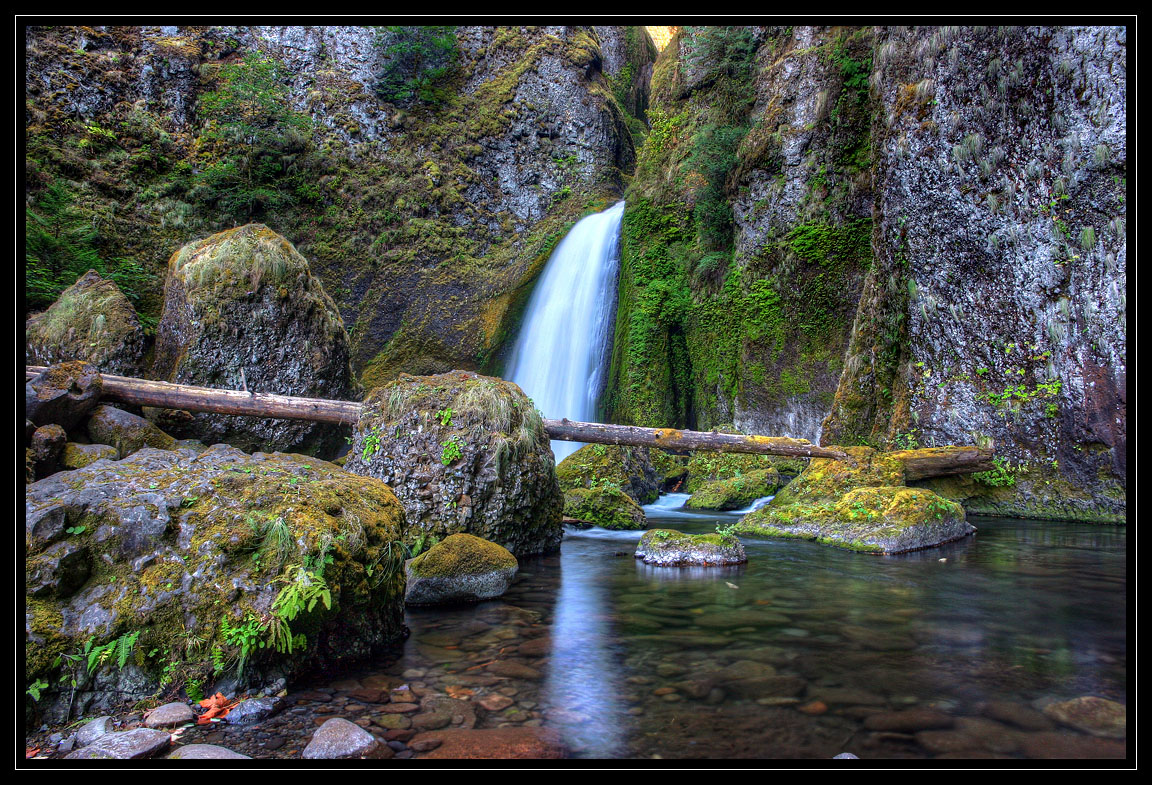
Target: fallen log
919,464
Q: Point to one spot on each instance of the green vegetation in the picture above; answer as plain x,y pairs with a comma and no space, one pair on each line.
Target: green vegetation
419,63
1001,475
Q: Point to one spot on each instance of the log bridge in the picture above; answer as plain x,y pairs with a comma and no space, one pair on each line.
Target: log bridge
919,464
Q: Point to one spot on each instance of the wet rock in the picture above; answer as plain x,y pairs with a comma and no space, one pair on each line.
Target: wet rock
169,716
605,506
494,743
495,702
1056,745
253,710
538,647
627,470
338,738
462,568
908,721
392,721
878,640
206,752
734,493
60,570
845,755
91,321
124,431
515,670
246,300
1017,714
492,474
47,446
92,730
1097,716
667,548
367,695
125,745
63,394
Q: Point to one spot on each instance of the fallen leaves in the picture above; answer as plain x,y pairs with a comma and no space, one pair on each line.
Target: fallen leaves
216,707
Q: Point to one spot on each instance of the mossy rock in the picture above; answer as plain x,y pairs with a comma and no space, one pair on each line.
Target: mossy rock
242,310
77,456
874,519
465,454
735,493
604,506
192,549
125,431
63,394
461,568
672,468
93,321
627,468
707,467
668,548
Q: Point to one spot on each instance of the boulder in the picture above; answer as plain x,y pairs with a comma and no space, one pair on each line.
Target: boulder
706,467
124,745
92,321
205,752
169,715
77,456
63,394
338,738
667,548
277,563
604,506
47,446
629,469
462,568
125,432
734,493
242,310
464,453
862,505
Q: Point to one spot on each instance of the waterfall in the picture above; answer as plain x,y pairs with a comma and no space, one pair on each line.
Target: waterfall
561,355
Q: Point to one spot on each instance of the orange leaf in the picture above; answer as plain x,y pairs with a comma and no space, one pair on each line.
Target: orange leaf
29,752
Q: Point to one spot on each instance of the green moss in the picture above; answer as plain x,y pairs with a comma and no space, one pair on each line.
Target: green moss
605,506
462,554
736,492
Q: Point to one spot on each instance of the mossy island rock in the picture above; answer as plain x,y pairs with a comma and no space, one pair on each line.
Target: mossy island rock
735,493
246,300
863,506
464,453
92,320
173,557
461,568
605,505
667,548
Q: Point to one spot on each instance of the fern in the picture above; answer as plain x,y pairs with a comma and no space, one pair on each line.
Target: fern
124,645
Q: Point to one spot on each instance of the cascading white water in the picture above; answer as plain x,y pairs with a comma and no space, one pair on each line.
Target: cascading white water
560,357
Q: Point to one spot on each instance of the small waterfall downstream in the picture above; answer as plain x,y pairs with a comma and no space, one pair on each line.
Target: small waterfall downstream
561,354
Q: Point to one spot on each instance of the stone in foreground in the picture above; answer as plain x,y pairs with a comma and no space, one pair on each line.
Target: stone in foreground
205,752
339,738
1097,716
128,745
462,568
667,548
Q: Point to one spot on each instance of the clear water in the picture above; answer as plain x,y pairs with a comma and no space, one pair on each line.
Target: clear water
1024,613
561,353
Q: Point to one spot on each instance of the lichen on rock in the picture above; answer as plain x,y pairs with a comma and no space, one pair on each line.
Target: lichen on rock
243,311
463,453
664,547
606,506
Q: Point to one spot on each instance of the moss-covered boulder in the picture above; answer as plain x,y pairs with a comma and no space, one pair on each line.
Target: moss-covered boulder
242,310
124,431
92,320
668,548
461,568
464,453
605,505
734,493
861,504
627,468
672,468
209,568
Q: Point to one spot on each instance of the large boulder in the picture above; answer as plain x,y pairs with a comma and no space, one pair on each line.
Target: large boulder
242,310
204,565
604,505
463,453
861,504
462,568
92,320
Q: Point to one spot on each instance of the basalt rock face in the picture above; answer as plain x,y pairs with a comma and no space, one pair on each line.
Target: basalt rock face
463,453
892,237
167,546
92,320
428,221
243,308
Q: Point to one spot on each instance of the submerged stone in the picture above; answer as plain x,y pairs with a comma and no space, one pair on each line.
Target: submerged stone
1097,716
462,568
664,547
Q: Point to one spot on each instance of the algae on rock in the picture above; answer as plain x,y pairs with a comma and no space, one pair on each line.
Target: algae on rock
460,568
